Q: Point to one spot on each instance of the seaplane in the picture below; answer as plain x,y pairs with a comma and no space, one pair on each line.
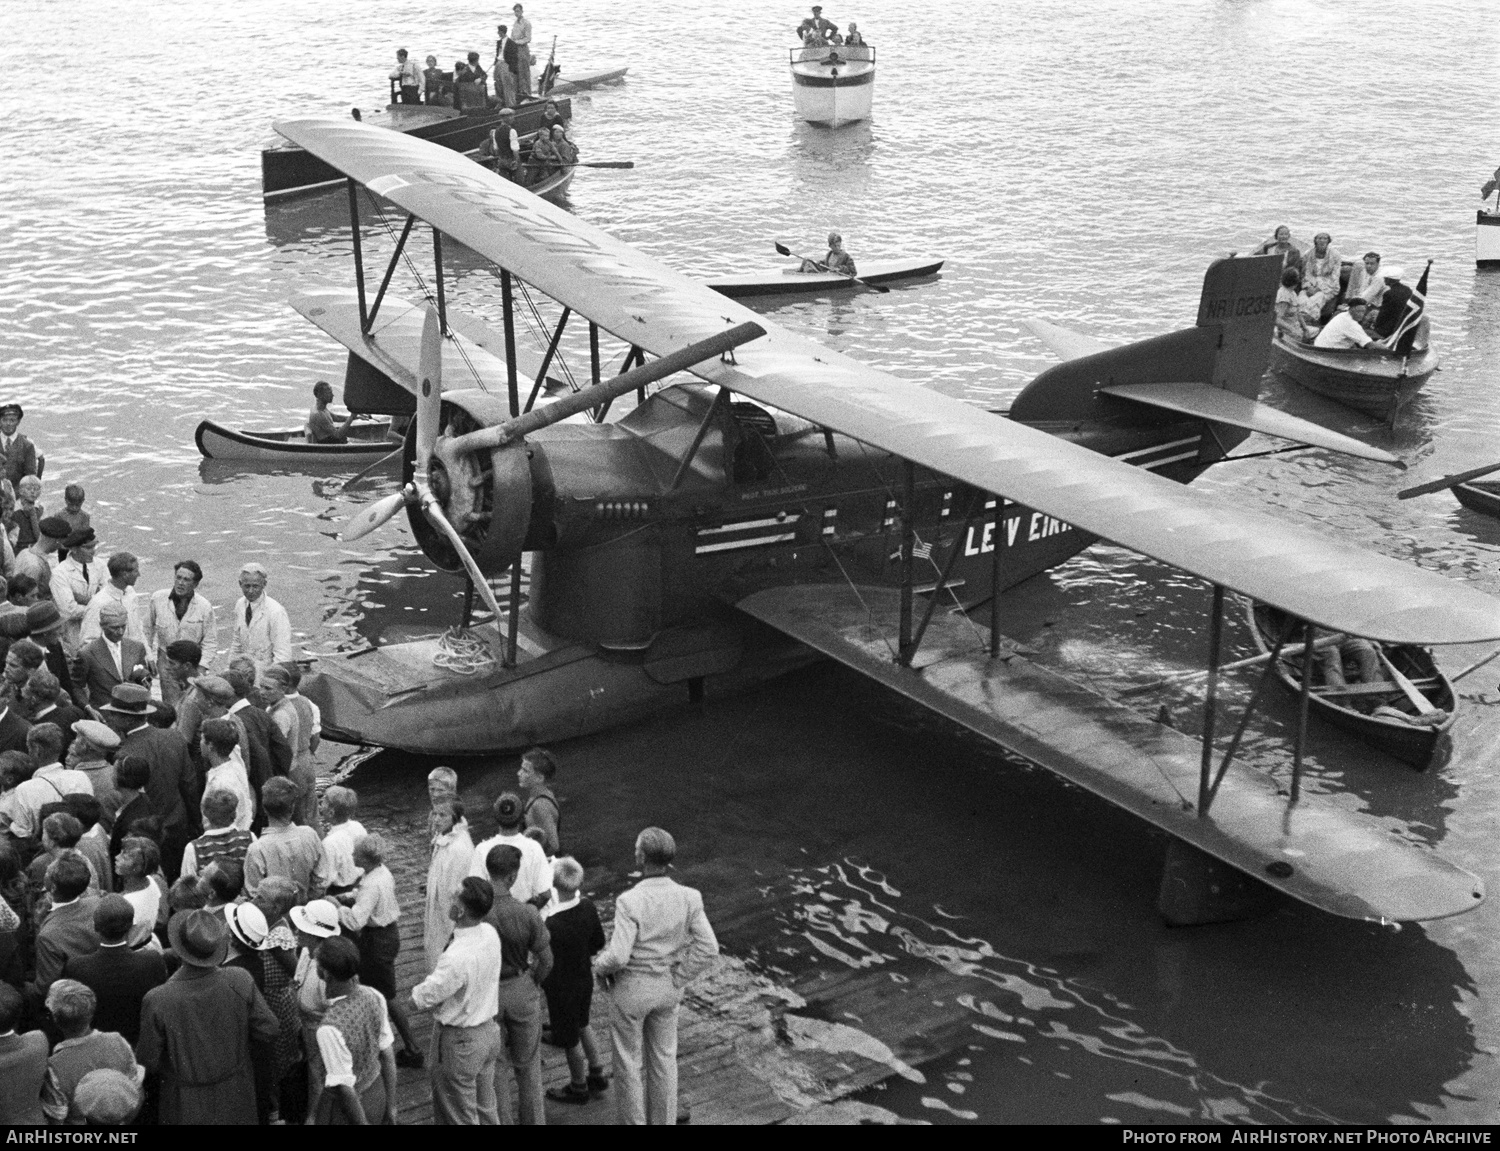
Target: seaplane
767,500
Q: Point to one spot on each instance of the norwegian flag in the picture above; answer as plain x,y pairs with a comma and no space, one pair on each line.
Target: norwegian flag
1405,335
1489,186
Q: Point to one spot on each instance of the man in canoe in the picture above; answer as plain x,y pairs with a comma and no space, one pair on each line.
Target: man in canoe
837,259
322,428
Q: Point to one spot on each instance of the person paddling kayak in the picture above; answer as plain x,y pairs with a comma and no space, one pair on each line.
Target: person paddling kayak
837,259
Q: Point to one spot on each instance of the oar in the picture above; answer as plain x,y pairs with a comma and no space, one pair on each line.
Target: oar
1447,482
1249,661
586,164
1409,689
785,251
1475,666
361,474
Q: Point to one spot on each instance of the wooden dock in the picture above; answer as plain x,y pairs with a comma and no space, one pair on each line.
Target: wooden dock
744,1054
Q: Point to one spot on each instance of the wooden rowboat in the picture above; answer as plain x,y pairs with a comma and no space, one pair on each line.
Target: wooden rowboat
367,443
1371,381
1350,708
1480,496
788,280
555,185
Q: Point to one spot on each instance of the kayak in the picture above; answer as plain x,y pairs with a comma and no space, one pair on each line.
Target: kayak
789,281
367,443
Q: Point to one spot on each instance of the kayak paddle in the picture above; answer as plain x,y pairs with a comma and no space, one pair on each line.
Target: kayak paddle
785,251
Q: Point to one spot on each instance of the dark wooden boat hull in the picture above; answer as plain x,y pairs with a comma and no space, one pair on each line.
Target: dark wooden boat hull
368,443
1370,382
286,170
1482,496
1411,745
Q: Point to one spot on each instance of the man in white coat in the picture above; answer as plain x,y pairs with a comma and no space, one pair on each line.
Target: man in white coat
262,629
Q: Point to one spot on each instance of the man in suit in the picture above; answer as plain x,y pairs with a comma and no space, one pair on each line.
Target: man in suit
68,930
17,453
23,1064
111,660
118,976
266,749
173,786
132,774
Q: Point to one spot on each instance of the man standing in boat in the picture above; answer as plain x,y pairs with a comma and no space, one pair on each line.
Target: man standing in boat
505,67
816,23
409,76
520,34
502,148
322,428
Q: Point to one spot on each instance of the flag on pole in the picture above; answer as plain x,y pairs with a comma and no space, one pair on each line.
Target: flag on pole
1405,335
1489,186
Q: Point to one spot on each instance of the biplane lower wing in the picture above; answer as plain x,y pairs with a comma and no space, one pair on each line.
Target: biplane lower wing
1300,571
394,344
1318,850
1224,407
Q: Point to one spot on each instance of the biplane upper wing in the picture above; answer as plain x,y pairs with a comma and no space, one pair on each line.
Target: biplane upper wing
638,300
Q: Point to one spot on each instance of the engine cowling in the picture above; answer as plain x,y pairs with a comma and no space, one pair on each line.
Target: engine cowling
487,495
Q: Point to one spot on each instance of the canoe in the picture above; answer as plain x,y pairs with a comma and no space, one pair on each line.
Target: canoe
833,86
1480,496
1375,382
287,170
563,87
1349,708
788,280
367,443
554,186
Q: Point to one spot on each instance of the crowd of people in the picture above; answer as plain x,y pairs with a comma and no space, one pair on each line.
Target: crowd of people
190,934
469,85
1317,304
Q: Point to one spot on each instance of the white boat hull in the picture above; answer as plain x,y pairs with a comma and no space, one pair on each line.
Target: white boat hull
1487,239
831,95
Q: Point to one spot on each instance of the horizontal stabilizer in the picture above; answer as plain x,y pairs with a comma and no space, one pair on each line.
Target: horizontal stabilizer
1229,408
1067,344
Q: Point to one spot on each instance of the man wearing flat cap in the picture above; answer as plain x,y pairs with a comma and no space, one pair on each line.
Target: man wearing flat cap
17,454
75,582
112,659
36,561
173,789
197,1027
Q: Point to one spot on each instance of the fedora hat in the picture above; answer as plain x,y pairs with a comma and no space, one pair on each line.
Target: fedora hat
199,938
43,616
130,699
318,917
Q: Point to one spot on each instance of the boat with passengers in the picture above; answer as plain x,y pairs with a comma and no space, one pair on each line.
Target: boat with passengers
833,84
